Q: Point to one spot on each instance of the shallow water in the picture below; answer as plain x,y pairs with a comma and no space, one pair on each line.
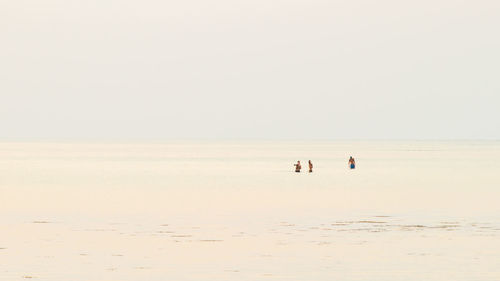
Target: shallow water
237,211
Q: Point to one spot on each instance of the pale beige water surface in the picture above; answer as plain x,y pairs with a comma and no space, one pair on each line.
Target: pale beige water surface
237,211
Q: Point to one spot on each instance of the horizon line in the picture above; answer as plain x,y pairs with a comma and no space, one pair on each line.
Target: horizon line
176,140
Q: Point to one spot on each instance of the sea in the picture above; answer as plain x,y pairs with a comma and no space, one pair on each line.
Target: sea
236,210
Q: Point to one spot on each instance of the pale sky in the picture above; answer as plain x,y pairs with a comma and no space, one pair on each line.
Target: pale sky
259,69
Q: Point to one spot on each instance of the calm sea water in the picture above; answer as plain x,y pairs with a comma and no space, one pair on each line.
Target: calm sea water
237,211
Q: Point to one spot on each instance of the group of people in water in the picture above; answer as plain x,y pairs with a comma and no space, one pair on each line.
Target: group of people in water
298,166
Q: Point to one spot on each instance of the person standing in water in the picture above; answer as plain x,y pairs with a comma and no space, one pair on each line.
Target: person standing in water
297,167
310,166
352,163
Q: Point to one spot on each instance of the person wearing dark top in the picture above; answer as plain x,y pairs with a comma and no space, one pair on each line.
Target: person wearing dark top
297,167
310,166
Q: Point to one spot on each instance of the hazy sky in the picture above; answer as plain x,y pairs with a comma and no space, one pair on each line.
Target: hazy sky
255,69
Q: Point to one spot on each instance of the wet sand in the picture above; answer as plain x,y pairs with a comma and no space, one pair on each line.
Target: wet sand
237,211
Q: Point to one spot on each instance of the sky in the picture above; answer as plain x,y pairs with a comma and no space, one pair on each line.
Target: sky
260,69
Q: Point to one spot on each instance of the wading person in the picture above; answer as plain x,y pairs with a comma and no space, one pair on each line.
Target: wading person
297,167
352,163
